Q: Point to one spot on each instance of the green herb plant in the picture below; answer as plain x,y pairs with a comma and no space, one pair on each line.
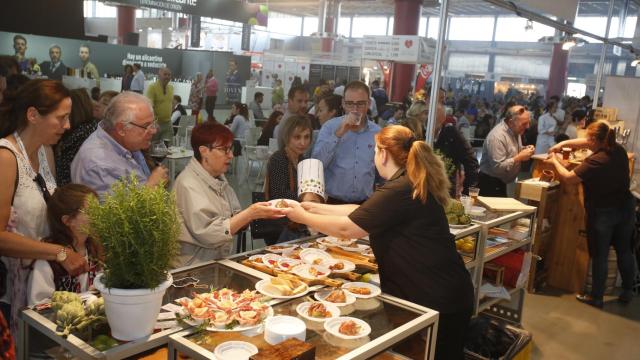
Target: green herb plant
138,227
449,166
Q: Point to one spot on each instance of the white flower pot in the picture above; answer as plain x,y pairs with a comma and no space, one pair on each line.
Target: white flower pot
132,313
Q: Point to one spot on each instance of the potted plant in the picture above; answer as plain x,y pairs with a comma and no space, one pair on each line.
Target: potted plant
138,226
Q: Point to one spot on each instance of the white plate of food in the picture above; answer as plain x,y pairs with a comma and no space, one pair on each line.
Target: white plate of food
271,260
282,287
355,247
256,259
286,264
348,328
314,256
226,310
313,245
279,249
235,350
317,311
334,241
311,272
339,265
362,290
337,297
282,203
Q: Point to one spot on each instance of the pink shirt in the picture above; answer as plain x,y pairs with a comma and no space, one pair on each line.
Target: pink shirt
212,87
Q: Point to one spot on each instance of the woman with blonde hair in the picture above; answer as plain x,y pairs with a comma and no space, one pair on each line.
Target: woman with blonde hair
409,233
608,204
416,117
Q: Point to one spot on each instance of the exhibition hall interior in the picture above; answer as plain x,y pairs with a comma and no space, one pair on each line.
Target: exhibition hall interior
320,179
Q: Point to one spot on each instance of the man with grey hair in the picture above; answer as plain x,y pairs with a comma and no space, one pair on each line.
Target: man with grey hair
54,69
113,151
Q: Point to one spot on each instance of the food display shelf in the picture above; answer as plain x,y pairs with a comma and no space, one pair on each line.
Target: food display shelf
497,251
37,329
392,321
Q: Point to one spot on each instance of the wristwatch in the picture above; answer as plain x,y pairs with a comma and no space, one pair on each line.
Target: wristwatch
61,256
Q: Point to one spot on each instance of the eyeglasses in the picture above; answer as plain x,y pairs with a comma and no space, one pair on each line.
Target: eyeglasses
226,149
149,127
356,104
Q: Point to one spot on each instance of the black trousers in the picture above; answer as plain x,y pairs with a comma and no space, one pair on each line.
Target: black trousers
210,104
491,186
452,329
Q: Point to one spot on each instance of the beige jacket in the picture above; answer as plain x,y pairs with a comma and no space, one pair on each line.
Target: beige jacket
205,204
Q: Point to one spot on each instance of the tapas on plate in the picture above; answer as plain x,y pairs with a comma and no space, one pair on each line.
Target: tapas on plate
282,287
355,247
271,260
317,310
278,249
339,265
283,203
362,290
311,272
338,297
226,310
314,256
348,328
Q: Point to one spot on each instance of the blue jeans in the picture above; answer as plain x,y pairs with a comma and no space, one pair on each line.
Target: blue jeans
606,227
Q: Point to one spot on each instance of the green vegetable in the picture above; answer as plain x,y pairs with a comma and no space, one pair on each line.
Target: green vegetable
60,298
464,219
449,166
104,342
454,207
72,316
138,227
452,219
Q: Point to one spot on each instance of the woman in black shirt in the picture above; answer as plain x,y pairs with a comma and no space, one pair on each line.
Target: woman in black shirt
608,204
409,233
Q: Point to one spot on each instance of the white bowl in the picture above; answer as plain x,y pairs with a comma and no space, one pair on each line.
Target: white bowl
375,291
280,328
235,350
332,326
477,211
310,254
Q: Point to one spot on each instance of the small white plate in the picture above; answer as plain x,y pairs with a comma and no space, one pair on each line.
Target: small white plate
334,241
289,201
256,259
375,291
286,264
311,255
321,295
302,270
348,265
271,260
313,245
303,308
235,350
263,288
358,248
332,326
279,249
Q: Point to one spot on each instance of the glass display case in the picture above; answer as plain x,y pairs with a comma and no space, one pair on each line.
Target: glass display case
399,330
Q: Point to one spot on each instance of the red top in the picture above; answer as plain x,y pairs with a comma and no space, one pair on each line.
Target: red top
212,87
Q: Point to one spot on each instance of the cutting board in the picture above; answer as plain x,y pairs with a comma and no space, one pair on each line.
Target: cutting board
503,204
273,272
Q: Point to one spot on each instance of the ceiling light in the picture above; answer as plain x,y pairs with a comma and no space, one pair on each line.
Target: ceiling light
636,61
170,28
149,28
568,44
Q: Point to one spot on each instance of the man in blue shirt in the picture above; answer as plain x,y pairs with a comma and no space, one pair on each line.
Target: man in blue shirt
345,146
113,151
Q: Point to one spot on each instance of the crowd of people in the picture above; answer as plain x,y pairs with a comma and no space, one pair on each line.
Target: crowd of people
59,146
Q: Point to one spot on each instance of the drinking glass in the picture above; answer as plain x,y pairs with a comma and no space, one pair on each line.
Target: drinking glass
158,151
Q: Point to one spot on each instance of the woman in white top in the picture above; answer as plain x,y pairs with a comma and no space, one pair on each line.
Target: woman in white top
240,122
210,210
547,126
31,120
67,225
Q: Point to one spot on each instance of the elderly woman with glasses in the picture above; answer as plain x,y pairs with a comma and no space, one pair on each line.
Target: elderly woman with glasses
209,207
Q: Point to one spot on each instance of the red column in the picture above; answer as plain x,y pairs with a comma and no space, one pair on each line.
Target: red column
406,21
558,71
329,28
126,21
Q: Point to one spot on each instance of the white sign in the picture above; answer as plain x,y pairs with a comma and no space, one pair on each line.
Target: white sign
400,48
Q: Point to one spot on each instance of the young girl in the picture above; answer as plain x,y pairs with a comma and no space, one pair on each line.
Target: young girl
68,225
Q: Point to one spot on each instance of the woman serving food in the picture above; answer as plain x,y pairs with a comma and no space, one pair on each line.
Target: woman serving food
409,233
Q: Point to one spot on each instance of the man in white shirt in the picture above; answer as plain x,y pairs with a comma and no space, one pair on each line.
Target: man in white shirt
137,84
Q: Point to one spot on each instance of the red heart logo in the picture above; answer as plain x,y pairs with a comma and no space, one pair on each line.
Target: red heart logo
408,43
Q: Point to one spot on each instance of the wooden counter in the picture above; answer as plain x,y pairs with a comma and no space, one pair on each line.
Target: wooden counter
569,255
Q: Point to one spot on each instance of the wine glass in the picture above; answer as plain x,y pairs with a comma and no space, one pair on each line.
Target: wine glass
158,151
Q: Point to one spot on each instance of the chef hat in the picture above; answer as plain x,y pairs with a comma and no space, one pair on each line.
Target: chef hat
311,177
